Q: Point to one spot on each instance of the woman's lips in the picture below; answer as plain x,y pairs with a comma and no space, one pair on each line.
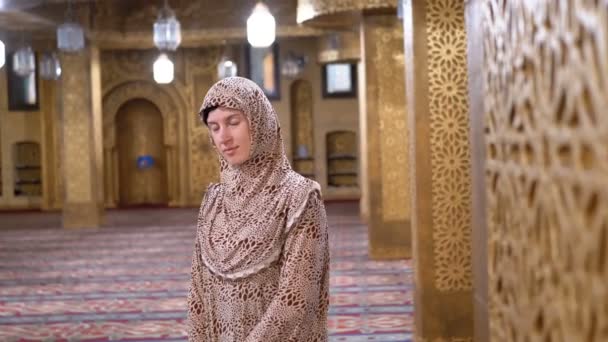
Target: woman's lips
230,151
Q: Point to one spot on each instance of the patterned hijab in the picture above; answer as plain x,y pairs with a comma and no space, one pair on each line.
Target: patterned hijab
245,218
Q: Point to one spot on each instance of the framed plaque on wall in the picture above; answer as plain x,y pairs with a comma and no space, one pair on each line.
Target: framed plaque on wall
339,79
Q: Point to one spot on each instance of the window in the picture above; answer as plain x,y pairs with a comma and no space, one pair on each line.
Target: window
263,69
22,91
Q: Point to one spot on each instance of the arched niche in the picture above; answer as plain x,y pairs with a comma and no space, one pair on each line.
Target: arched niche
169,106
342,159
302,128
142,161
27,163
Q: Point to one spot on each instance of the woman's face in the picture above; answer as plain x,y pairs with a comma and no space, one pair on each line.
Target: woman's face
230,133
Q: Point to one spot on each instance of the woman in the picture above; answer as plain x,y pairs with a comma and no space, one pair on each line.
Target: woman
260,270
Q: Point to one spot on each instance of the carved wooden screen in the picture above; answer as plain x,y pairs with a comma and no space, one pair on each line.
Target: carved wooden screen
546,67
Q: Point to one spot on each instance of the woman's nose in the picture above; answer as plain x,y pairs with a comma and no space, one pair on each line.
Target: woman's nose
225,135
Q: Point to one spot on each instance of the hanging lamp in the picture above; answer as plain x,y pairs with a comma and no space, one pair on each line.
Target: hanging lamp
163,69
226,68
2,57
24,61
293,65
167,30
70,35
261,26
50,68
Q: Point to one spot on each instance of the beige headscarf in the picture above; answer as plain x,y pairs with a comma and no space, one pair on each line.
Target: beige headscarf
245,218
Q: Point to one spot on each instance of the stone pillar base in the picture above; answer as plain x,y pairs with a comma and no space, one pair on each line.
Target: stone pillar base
82,215
390,252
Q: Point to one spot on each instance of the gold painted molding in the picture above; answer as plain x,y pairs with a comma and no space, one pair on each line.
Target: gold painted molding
192,38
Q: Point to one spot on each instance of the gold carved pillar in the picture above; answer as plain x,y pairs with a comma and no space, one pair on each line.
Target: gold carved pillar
475,39
385,202
51,153
81,146
436,75
385,135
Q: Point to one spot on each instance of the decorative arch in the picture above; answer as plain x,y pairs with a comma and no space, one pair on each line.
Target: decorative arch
27,161
170,105
121,94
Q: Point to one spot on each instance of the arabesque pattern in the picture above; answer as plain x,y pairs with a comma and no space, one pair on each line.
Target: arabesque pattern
547,187
450,157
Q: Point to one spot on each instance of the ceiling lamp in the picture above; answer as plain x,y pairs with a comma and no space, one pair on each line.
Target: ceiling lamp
24,61
2,54
167,30
226,68
260,26
70,35
50,68
163,69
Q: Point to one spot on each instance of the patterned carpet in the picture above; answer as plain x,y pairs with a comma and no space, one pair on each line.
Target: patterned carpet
128,280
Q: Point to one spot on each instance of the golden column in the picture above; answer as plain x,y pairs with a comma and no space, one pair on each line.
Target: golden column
387,184
50,116
436,74
385,200
81,146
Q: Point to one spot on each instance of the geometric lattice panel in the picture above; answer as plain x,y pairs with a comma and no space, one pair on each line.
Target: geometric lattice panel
546,95
449,135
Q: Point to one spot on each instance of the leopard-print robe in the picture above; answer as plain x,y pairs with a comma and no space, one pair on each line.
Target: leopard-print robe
260,267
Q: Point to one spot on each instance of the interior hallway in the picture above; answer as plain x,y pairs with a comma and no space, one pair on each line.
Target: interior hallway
128,280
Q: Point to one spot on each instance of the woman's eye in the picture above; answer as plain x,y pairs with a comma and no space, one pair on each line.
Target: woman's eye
234,123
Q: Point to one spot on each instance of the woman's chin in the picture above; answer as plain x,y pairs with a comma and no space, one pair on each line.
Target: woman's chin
235,161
